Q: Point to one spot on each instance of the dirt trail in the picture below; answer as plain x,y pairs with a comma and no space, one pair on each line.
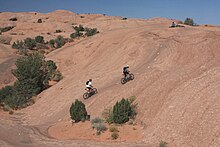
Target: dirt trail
177,78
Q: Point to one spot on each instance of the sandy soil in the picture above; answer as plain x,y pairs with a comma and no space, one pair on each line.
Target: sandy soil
177,80
84,131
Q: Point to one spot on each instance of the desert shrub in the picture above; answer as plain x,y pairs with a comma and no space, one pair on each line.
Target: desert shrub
108,115
13,19
59,41
5,29
30,43
122,111
163,144
97,120
39,39
31,73
113,129
124,18
133,105
100,128
39,21
78,111
97,123
79,28
76,34
58,31
51,65
5,92
52,43
15,101
53,73
56,76
189,21
91,31
20,45
82,16
114,135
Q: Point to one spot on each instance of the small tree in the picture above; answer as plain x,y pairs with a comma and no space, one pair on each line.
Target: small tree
31,73
39,39
189,21
123,111
78,111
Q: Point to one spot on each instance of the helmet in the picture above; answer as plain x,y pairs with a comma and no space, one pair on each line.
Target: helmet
127,65
90,80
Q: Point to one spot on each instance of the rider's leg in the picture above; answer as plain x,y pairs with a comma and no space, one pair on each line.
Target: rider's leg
125,74
88,89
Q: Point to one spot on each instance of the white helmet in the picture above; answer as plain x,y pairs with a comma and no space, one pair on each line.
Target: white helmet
127,65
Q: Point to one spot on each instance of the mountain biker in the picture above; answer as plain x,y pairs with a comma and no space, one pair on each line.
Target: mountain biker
125,70
89,85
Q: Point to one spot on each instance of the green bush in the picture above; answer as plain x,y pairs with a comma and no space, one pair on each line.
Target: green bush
76,34
56,76
59,41
79,28
31,73
30,43
91,31
18,45
5,29
15,101
189,21
39,39
78,111
51,65
5,92
122,111
52,43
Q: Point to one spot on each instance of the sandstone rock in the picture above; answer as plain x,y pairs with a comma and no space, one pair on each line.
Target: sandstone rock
5,39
